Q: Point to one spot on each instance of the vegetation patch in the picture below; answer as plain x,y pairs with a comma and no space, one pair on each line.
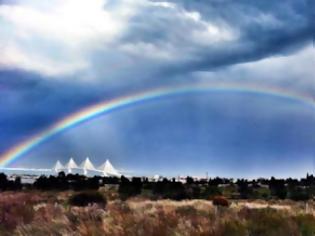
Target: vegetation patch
86,198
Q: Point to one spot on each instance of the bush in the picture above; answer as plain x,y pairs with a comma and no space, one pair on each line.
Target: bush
299,194
170,190
210,191
220,201
129,188
86,198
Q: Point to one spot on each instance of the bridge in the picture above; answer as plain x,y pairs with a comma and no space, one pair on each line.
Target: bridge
106,169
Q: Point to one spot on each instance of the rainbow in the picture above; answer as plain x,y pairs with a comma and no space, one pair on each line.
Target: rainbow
106,107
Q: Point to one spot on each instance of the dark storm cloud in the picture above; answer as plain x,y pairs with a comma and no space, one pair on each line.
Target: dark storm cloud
264,28
156,38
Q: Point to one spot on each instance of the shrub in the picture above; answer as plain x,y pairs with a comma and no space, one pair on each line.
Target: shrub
170,190
299,194
210,191
129,188
86,198
220,201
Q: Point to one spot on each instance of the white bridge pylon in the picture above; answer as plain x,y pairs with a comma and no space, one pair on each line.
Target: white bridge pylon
106,169
87,165
70,165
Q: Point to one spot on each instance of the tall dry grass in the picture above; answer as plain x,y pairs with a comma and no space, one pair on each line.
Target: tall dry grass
39,213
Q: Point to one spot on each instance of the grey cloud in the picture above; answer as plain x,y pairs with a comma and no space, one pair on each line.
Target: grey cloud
265,28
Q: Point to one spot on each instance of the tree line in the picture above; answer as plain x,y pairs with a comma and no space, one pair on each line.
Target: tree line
262,188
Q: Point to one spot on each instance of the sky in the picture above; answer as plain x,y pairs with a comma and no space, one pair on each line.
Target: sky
61,56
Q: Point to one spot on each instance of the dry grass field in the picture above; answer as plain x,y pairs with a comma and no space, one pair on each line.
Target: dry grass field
50,213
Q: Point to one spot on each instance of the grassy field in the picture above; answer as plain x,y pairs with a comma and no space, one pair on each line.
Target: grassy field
53,213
